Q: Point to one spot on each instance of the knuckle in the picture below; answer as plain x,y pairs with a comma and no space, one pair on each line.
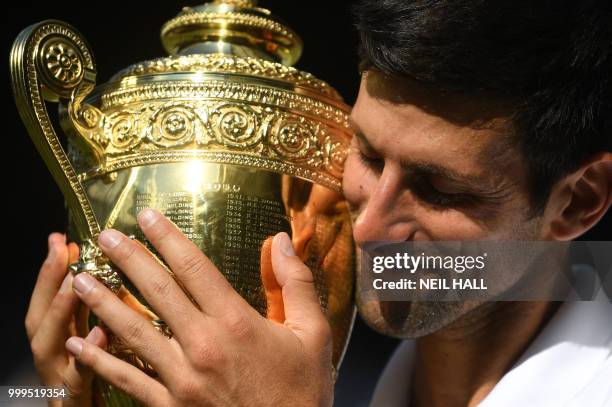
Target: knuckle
136,390
95,298
302,274
295,287
237,325
29,326
38,352
161,287
206,355
88,356
322,330
188,390
123,381
125,251
74,390
159,232
133,330
55,258
191,264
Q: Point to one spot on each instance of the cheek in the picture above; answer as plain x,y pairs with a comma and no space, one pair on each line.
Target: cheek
452,224
449,226
507,223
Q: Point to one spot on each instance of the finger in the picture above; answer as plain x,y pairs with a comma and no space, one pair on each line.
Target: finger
136,332
195,271
81,310
120,374
54,328
73,253
98,337
303,313
154,282
50,276
78,378
274,297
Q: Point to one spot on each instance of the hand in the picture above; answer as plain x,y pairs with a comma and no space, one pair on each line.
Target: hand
50,320
223,352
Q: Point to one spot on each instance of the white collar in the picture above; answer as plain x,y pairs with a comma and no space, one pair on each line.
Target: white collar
568,364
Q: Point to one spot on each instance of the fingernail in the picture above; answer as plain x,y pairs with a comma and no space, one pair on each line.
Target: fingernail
83,283
74,345
109,238
285,244
66,284
93,335
147,217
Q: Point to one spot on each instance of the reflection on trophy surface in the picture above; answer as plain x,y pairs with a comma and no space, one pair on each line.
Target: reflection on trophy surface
224,137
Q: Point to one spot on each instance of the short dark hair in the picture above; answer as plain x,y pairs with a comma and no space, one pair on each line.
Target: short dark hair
552,59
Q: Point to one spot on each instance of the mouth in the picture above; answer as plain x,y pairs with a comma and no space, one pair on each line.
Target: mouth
395,313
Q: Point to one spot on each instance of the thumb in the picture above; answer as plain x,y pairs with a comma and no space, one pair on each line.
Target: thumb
73,253
78,378
303,314
274,297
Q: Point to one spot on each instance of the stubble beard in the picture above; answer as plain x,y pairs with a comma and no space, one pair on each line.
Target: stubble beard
414,319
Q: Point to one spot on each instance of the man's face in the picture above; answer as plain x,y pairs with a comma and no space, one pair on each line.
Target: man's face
425,166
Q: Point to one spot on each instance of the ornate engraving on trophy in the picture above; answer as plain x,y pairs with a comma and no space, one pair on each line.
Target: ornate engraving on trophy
63,61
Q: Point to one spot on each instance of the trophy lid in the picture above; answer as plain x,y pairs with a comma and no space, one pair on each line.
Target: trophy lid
232,37
227,93
234,27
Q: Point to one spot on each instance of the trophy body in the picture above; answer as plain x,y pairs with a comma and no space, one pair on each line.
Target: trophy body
223,137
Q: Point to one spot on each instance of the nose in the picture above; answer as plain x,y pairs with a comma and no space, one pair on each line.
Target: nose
386,215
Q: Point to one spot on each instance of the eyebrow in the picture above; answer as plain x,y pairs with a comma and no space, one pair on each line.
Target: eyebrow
473,182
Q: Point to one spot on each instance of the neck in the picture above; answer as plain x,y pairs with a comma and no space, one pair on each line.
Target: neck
460,364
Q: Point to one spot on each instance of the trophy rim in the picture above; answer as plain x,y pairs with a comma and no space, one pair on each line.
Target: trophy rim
104,91
218,63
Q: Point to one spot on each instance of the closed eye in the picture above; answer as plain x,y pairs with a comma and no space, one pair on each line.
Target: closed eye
424,190
375,163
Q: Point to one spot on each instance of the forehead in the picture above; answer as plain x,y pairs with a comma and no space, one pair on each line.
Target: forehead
403,120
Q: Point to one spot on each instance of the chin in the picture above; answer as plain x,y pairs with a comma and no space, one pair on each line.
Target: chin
408,320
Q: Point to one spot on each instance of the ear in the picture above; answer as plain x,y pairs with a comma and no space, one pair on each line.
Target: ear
580,199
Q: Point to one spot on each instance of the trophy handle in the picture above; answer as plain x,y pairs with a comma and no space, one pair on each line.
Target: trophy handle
51,61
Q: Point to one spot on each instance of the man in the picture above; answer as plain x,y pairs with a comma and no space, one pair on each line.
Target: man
475,120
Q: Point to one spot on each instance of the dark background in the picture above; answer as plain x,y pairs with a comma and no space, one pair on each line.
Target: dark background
120,34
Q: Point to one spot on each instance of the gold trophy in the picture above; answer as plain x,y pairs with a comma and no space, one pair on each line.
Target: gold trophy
224,137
